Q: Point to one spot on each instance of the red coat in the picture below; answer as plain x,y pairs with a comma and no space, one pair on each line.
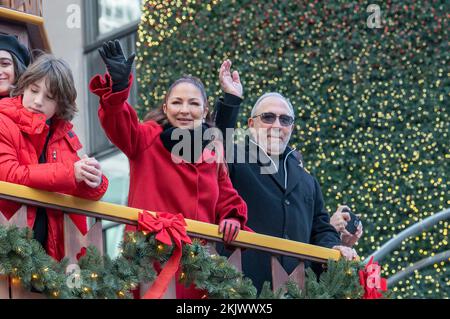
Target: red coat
197,190
22,138
200,191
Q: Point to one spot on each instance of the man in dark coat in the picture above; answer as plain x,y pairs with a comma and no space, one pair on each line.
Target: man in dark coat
283,199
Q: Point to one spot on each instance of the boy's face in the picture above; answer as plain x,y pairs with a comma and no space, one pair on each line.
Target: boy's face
37,99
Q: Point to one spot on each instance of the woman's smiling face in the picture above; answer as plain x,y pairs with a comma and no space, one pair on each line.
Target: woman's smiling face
185,106
7,75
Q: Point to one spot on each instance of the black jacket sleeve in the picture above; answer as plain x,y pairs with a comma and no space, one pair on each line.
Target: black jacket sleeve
226,114
323,233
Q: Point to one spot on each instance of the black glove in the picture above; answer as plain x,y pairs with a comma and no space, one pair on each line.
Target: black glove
118,66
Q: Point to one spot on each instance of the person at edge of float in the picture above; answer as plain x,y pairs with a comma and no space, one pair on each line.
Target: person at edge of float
283,199
14,60
38,149
194,185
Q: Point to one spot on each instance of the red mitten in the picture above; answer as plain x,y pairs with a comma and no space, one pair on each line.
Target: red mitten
230,229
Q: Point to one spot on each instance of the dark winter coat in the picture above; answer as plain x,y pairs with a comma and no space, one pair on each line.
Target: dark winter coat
288,204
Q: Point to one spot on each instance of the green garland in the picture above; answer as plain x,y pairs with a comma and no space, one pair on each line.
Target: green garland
23,259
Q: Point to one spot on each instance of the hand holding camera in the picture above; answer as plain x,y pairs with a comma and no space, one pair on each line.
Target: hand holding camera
348,225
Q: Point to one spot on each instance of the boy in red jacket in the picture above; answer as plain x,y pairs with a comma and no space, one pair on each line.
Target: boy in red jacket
39,149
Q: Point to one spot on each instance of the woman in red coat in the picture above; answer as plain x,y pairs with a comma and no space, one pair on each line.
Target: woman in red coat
162,178
39,149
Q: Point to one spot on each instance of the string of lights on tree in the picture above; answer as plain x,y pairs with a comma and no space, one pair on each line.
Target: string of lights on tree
372,104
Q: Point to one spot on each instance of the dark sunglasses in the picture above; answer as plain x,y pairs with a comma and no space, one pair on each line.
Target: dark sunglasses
270,118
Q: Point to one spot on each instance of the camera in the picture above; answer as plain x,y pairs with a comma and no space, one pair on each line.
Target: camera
352,225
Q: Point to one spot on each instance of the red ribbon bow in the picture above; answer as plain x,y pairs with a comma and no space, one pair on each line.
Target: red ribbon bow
370,279
169,229
82,252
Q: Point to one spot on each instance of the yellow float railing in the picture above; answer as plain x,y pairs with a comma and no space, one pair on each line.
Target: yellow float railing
32,7
31,23
128,215
73,240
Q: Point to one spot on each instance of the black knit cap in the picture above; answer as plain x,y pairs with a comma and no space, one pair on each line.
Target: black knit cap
12,45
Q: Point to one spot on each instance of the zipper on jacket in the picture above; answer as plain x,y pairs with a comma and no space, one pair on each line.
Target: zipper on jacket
54,155
285,169
284,164
265,153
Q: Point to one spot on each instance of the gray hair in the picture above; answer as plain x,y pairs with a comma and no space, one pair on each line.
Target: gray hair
272,94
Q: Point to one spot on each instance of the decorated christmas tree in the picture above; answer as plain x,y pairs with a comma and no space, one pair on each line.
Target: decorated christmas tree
372,102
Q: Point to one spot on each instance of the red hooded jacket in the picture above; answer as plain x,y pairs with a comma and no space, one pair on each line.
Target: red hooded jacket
200,191
22,139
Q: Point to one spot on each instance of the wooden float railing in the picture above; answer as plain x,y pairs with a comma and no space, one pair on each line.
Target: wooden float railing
126,215
33,7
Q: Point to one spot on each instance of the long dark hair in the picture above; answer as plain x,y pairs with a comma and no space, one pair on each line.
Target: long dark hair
19,69
158,115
